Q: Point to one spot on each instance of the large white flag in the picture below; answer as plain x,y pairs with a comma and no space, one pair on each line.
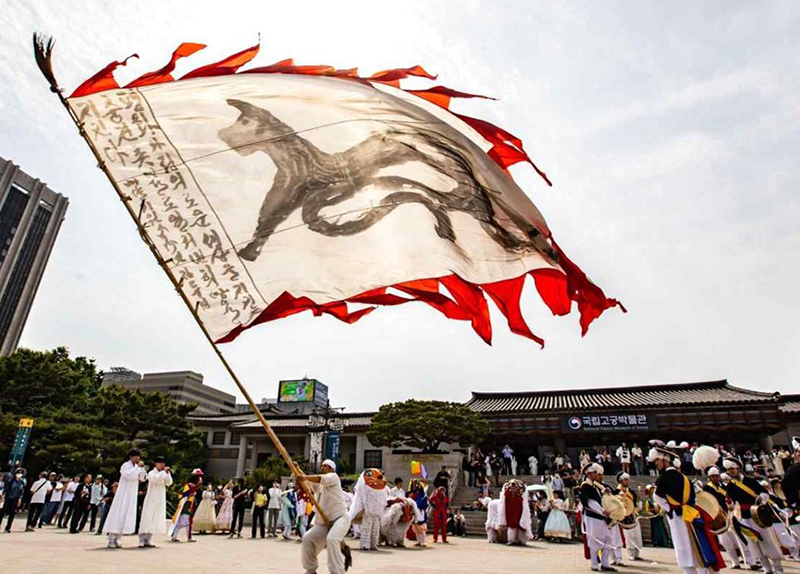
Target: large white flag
286,188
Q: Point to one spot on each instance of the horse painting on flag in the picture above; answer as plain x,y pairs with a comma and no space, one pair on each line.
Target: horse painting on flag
311,180
279,189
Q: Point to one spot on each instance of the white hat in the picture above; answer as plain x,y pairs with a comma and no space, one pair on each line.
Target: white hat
765,484
712,471
622,476
731,462
330,463
594,467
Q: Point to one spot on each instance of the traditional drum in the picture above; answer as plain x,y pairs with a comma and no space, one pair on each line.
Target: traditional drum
614,507
763,515
709,504
630,520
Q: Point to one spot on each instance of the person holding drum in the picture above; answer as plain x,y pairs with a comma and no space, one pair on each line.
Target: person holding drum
696,548
615,541
782,528
633,530
791,490
726,537
595,520
757,518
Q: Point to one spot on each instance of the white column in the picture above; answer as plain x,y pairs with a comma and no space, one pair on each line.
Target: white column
360,440
254,457
242,456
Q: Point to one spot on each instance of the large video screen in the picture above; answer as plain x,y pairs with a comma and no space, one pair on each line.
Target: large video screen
301,391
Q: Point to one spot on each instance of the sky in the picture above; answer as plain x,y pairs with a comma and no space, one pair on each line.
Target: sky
670,132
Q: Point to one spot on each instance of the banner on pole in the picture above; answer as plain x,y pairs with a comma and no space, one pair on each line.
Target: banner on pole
332,444
17,454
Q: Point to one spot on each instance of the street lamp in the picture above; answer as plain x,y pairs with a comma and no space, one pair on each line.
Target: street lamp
320,422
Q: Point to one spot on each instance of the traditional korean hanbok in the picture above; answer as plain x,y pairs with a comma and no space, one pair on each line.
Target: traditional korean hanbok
557,525
696,548
287,517
205,519
225,515
121,518
154,509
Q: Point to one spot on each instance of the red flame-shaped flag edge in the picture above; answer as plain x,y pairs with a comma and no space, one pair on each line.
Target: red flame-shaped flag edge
558,290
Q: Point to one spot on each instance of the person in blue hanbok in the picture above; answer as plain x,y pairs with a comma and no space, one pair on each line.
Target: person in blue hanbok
557,525
288,510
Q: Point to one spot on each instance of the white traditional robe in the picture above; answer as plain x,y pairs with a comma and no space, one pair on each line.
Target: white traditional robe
493,521
371,502
681,538
154,509
121,517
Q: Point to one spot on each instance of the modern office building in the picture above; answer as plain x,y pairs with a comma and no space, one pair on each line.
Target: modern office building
30,217
183,386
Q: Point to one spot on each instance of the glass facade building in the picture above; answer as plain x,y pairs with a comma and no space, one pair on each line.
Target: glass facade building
30,218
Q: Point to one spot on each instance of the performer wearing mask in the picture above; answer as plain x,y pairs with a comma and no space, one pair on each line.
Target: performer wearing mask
327,489
121,517
369,501
718,490
595,520
746,492
634,534
154,509
696,547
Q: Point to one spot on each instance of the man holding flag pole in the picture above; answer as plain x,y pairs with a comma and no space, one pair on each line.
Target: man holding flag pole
159,142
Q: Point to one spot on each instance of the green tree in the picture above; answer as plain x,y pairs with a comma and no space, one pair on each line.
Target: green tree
272,469
426,425
81,427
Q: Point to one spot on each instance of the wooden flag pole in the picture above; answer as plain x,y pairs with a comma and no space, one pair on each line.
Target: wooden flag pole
43,51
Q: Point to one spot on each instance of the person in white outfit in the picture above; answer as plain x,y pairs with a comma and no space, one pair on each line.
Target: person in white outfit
782,529
533,465
121,517
39,491
369,500
397,491
154,509
675,494
594,519
727,539
273,509
746,491
327,489
633,530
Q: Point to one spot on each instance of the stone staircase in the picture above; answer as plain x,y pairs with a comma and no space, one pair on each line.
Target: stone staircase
476,519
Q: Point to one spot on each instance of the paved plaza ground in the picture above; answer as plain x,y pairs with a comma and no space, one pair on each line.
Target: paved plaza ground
50,551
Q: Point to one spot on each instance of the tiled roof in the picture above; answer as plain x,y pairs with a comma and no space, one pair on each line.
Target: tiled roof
791,404
689,394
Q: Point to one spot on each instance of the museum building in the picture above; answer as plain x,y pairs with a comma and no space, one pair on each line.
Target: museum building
532,422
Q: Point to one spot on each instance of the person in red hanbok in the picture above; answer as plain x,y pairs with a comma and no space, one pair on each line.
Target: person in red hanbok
440,502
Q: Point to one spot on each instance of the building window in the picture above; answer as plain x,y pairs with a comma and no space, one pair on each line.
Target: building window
236,439
373,458
218,438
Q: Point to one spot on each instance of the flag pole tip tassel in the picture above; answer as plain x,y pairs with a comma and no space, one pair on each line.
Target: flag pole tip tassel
43,52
